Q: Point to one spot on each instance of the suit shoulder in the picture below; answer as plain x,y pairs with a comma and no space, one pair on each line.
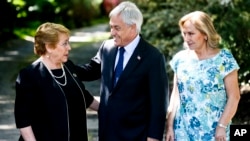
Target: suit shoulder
151,48
29,73
33,67
108,43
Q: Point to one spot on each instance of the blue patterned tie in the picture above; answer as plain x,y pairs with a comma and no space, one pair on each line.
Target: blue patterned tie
119,66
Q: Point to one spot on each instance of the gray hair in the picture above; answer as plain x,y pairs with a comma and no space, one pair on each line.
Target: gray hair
130,14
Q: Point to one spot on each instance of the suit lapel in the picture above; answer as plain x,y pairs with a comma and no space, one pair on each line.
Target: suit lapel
110,62
135,59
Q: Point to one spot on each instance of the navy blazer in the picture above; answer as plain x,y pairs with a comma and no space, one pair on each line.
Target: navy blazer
136,107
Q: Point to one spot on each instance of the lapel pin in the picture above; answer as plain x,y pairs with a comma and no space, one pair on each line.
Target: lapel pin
139,57
74,75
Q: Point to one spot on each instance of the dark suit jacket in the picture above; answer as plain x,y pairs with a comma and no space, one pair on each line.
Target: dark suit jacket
136,107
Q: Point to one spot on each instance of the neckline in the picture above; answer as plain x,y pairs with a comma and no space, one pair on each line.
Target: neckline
56,77
194,56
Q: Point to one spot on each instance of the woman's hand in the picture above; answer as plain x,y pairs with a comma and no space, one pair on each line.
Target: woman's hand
220,134
170,134
27,133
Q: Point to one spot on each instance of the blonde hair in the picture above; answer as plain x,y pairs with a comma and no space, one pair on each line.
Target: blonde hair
204,24
48,33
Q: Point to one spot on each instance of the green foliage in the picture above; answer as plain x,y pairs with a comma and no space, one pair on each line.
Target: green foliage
24,32
7,16
233,23
73,14
20,17
231,19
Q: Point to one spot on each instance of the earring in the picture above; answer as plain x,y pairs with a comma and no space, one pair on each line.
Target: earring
206,38
47,56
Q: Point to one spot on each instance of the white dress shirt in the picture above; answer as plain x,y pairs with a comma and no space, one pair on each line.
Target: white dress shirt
129,49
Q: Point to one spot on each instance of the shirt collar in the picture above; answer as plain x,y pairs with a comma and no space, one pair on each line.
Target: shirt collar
132,45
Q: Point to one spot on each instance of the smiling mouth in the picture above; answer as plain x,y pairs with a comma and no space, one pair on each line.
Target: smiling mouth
189,44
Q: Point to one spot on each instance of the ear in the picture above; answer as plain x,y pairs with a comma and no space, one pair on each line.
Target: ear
205,38
48,47
133,28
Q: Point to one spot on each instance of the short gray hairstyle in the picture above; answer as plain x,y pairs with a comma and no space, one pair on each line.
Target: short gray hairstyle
130,14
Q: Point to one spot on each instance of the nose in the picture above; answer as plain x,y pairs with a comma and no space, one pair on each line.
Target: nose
69,47
112,31
186,37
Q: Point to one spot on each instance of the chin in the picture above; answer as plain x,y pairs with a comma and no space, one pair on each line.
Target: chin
65,60
191,48
116,44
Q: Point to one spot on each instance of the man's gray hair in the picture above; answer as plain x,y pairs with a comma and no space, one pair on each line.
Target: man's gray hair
130,14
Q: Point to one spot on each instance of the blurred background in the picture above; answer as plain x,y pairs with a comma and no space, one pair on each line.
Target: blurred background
20,18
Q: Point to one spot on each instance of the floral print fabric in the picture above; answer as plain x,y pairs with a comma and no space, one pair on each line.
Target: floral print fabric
202,94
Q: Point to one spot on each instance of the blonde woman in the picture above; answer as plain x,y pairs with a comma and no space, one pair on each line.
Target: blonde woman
206,93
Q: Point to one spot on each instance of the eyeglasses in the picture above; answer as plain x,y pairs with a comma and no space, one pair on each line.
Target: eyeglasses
65,44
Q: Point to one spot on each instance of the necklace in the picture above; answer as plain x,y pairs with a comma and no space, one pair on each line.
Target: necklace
63,74
56,77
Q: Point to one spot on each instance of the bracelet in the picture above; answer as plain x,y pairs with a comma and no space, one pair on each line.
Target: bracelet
221,125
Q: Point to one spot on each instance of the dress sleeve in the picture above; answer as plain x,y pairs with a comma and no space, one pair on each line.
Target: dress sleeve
23,100
88,98
229,63
174,61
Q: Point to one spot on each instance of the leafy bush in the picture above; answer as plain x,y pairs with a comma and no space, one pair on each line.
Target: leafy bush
231,20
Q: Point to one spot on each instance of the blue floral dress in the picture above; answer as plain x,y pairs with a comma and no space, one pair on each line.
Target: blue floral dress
202,94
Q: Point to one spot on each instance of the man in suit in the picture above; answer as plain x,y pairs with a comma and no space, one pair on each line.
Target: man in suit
134,107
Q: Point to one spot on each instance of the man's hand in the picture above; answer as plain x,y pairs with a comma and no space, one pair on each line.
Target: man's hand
151,139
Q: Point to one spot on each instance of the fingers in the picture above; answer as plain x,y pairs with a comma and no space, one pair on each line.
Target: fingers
169,138
221,138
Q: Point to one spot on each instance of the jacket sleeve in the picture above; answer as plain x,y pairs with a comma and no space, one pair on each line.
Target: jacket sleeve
158,83
92,70
23,101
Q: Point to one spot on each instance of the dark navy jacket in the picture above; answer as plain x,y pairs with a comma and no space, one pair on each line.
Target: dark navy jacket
136,107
